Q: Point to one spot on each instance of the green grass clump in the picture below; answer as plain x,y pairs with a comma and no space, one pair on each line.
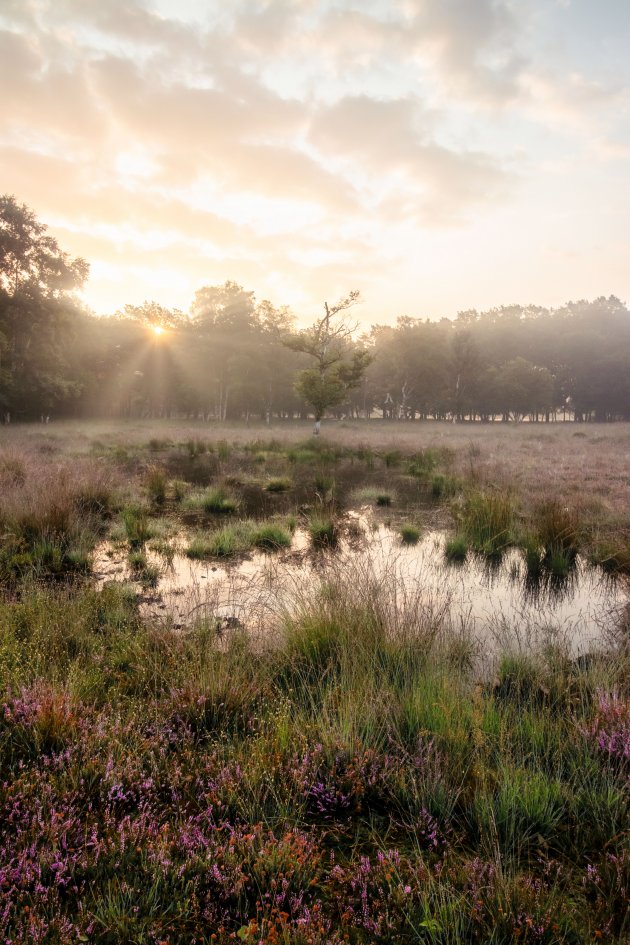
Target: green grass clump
196,447
136,526
323,531
156,482
374,495
486,520
218,502
409,534
158,444
423,464
302,457
443,485
559,530
224,543
324,484
213,502
456,549
392,458
534,555
137,560
271,537
224,450
612,556
278,485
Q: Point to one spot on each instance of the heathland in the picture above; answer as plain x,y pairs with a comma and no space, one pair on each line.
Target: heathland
362,768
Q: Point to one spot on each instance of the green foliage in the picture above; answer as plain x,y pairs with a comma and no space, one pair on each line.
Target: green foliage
558,530
278,484
338,368
323,531
136,525
409,534
224,543
486,521
456,549
423,464
213,502
271,537
205,772
384,499
156,484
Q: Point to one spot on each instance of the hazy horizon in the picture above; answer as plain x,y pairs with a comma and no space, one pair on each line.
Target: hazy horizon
435,156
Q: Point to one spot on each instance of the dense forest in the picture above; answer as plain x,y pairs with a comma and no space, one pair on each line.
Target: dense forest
231,356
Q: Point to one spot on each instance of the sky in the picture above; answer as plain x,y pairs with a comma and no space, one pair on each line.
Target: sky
436,155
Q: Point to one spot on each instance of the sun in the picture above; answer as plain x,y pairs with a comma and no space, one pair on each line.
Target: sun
157,330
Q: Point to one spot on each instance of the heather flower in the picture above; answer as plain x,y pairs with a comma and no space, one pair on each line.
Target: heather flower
609,731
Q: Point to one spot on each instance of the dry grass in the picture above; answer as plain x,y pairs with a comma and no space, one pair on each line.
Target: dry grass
580,465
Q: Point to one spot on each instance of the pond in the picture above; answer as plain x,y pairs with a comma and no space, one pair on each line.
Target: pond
490,602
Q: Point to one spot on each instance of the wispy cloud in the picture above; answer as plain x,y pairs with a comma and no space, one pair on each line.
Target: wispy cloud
298,143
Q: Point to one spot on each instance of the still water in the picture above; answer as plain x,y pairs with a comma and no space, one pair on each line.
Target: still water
484,601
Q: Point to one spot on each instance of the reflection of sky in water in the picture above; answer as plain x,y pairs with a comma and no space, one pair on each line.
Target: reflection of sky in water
488,600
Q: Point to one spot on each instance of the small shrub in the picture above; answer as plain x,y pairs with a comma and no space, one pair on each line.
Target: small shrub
383,499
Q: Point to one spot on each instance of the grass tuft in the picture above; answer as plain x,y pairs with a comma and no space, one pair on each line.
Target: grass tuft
323,531
409,534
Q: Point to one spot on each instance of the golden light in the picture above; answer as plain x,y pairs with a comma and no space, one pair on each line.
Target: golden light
157,330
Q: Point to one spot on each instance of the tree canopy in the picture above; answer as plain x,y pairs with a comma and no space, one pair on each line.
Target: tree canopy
233,356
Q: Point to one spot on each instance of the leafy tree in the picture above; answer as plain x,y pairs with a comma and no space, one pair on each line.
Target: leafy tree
338,368
154,315
524,388
466,366
30,261
37,313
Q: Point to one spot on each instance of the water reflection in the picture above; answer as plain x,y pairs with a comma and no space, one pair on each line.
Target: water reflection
489,598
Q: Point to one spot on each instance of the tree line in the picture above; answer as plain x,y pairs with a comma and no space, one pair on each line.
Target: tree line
232,357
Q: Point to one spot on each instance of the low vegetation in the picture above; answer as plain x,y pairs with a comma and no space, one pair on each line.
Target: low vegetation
362,772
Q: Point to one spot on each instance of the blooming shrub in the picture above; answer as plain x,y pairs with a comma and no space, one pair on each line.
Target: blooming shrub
609,731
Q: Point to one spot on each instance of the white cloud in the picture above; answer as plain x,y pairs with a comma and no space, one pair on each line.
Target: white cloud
272,136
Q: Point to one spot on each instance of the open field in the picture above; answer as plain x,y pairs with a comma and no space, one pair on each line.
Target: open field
352,775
